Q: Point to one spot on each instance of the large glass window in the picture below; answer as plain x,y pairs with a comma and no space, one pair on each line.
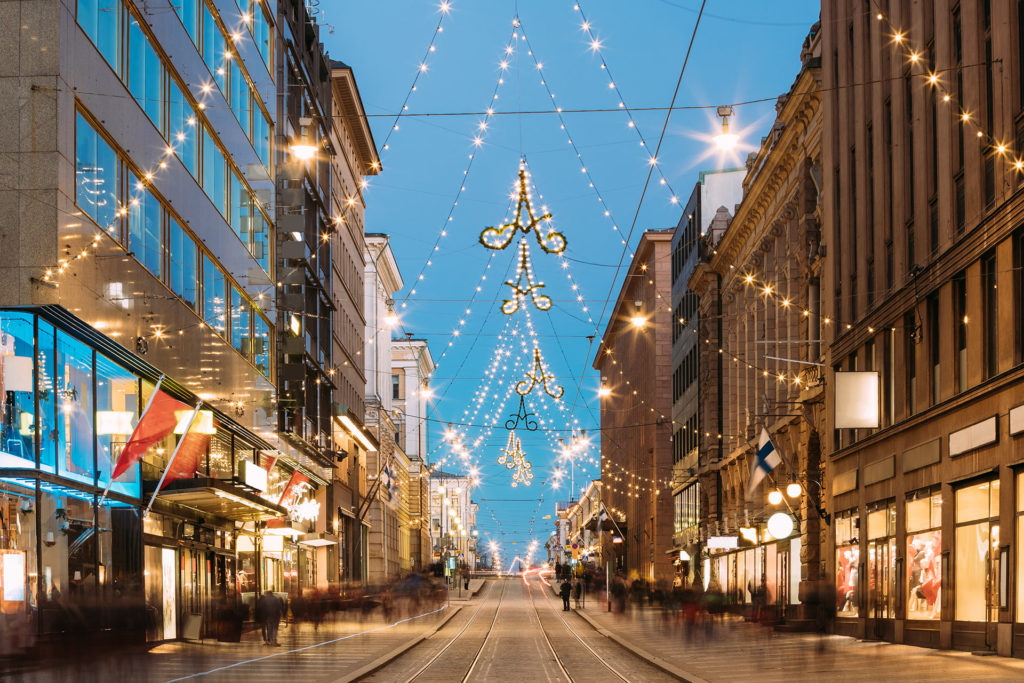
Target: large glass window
261,344
240,208
183,276
214,49
977,552
46,386
117,404
96,174
241,99
100,19
214,171
214,295
144,235
182,129
924,555
1020,547
75,409
261,136
260,30
687,508
188,12
882,559
847,563
145,73
260,238
241,312
17,346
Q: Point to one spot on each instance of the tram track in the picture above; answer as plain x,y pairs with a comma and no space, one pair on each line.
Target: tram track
568,628
457,636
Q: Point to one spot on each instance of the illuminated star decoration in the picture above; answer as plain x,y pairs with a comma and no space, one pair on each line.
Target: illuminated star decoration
551,241
539,376
519,292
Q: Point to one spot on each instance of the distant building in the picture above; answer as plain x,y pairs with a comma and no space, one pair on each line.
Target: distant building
453,531
636,441
709,208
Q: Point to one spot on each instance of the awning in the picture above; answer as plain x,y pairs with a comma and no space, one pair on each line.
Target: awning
318,539
221,498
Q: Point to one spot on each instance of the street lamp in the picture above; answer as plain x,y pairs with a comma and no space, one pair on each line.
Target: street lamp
726,140
793,489
775,497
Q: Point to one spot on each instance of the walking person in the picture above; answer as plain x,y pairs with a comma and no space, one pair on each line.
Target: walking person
268,611
565,590
577,591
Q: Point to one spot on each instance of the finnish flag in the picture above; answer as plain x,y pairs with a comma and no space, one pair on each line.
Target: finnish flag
767,460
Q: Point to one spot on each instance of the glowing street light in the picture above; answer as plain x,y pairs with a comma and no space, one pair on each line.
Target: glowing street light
726,140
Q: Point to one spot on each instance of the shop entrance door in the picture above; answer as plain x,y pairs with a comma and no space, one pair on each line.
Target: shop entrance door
782,577
168,562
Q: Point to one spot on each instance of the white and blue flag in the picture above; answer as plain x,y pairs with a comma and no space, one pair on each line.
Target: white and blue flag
767,460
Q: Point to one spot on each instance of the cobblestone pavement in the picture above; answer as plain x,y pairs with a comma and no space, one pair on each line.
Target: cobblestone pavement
305,655
513,633
736,650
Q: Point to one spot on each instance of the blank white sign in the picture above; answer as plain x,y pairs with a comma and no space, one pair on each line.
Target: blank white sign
857,400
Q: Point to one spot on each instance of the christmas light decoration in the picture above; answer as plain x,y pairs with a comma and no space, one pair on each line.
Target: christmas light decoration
539,376
551,241
513,458
519,292
521,417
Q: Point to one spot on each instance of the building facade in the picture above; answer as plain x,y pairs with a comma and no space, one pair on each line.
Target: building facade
636,450
411,369
712,201
758,284
453,532
924,287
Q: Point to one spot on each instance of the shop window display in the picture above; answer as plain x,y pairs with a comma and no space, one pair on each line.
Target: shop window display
74,409
924,556
18,566
117,404
1020,547
977,552
46,388
17,436
847,564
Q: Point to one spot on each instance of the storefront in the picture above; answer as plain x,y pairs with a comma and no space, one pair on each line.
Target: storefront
758,570
78,553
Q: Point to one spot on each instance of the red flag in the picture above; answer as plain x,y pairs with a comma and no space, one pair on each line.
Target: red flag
293,489
157,421
187,457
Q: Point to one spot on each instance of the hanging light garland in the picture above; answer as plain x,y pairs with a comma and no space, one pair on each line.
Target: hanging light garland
513,458
551,241
524,269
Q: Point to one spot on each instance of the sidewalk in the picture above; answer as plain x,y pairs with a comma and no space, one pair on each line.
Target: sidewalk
474,587
737,650
328,653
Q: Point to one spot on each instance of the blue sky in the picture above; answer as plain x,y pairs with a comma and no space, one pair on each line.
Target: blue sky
744,50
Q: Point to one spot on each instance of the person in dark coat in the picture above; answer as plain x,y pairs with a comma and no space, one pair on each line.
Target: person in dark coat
577,591
565,590
269,610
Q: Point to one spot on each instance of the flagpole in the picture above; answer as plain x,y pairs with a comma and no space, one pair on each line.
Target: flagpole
144,411
171,461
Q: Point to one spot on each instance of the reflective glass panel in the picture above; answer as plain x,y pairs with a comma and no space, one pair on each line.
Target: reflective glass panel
241,311
214,172
144,235
17,351
100,19
183,277
96,176
145,73
117,405
45,384
75,409
924,574
182,132
188,12
261,344
214,296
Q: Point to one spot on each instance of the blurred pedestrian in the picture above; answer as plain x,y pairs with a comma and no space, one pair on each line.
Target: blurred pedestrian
268,611
565,590
577,591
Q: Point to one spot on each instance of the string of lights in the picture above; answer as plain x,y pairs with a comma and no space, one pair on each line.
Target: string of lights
443,9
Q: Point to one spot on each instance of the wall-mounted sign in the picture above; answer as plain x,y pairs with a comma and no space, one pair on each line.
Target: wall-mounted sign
723,542
857,400
254,476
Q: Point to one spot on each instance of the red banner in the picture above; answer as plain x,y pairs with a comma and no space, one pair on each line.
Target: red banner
188,457
292,489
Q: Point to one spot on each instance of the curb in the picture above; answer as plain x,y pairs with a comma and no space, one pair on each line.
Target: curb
654,660
381,662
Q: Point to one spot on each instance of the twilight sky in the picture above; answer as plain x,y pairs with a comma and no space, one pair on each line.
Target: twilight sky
744,50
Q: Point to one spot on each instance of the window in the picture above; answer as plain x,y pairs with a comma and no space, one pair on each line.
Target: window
46,384
117,405
144,212
260,238
188,12
145,73
241,98
214,172
101,19
960,321
241,312
934,357
96,176
17,350
74,408
261,136
396,387
181,129
989,299
847,563
910,337
261,344
261,31
1018,292
924,554
214,295
687,508
240,208
977,552
882,559
183,276
214,49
